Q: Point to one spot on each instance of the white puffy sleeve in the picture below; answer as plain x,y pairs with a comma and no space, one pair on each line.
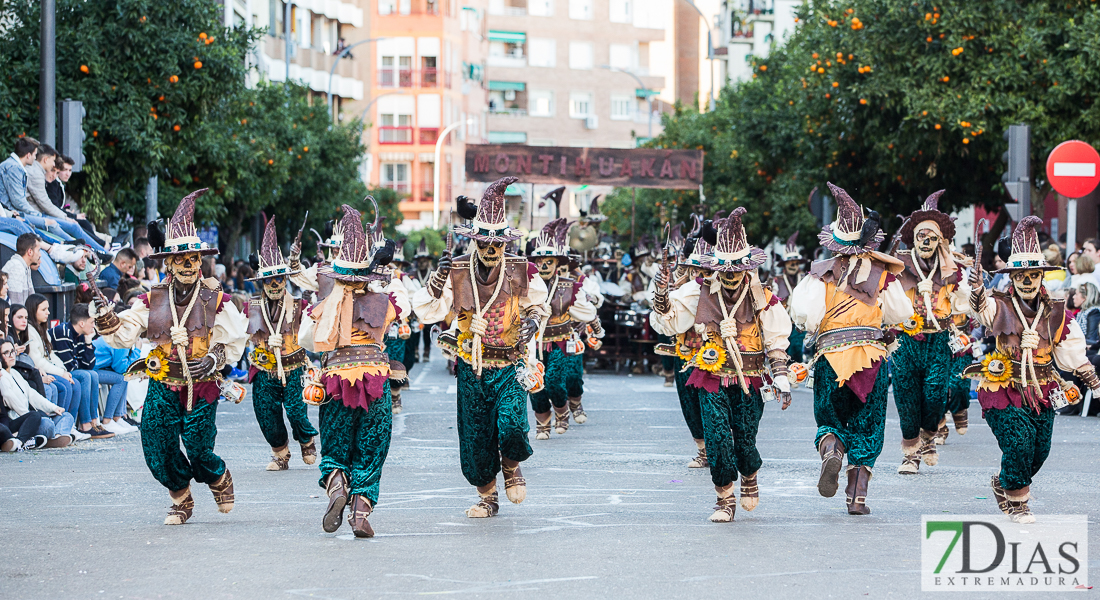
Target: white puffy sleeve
683,302
807,304
134,321
230,329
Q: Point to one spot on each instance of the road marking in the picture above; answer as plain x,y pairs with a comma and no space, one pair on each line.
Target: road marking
1074,169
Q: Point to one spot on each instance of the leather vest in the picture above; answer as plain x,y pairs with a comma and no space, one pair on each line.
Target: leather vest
750,338
199,323
1008,328
563,299
257,328
503,315
909,280
782,290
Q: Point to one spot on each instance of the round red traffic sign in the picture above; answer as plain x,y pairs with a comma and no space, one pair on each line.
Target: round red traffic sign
1073,169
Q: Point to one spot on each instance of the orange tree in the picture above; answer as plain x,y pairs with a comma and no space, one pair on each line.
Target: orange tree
892,101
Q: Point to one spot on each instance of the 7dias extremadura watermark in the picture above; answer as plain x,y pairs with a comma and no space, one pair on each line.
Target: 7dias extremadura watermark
962,553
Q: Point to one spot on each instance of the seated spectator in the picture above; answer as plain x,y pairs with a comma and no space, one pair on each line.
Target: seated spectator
125,285
21,401
123,264
41,212
77,271
29,424
112,363
3,286
40,349
27,258
72,343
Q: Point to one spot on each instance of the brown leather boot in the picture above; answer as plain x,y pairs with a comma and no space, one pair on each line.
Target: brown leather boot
182,506
337,490
910,463
395,401
941,432
832,452
961,421
561,420
1018,509
726,506
700,460
928,448
280,459
357,518
223,492
856,492
309,452
542,426
578,410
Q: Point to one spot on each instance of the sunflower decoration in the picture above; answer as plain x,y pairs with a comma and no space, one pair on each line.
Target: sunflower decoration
684,351
465,343
263,359
156,364
996,367
711,356
913,325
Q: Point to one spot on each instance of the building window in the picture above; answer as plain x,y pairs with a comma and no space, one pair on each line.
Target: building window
508,97
580,9
580,105
392,7
540,8
620,11
395,129
395,71
540,103
622,107
542,53
507,137
507,49
621,56
580,55
395,176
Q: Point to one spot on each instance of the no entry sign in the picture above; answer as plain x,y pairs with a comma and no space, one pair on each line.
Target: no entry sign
1073,169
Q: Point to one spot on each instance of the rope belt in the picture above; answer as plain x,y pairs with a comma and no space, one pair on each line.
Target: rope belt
924,287
1029,341
274,338
728,331
478,324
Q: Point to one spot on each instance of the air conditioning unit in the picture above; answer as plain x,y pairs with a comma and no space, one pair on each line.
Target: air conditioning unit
509,94
591,122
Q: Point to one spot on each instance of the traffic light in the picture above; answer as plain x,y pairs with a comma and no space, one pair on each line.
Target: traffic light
71,139
1017,175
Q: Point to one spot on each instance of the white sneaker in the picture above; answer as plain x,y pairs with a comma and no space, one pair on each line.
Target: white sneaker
124,426
80,436
111,426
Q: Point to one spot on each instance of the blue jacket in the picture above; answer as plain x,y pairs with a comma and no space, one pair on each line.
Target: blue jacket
108,358
111,275
13,185
71,348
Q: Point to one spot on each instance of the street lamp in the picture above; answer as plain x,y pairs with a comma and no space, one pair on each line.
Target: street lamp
648,101
339,55
435,169
710,50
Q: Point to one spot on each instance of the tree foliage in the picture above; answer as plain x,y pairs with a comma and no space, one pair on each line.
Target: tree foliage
892,101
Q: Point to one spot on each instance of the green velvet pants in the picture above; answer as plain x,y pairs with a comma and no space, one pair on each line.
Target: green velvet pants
356,441
555,390
270,399
574,375
731,420
921,371
492,421
395,350
689,399
164,423
860,426
958,388
796,339
1024,438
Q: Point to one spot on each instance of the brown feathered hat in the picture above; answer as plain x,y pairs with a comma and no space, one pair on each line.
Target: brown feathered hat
181,236
547,242
491,222
843,236
1026,252
353,261
272,263
733,252
927,217
790,250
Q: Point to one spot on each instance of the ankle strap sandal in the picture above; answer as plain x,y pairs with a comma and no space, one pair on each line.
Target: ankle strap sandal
179,512
223,493
487,506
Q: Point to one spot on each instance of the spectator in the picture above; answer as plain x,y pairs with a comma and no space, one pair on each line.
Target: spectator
77,271
21,400
111,364
1055,280
1088,248
123,264
26,436
40,210
40,349
4,287
72,343
1071,262
1084,264
126,285
27,257
13,172
142,247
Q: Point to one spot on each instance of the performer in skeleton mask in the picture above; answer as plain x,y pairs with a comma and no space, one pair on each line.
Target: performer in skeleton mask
846,301
568,306
418,278
592,330
1019,387
784,283
934,283
641,271
499,301
692,268
196,331
313,279
745,345
277,362
349,325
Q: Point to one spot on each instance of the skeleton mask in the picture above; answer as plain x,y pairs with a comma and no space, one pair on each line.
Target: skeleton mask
490,253
648,259
185,268
274,287
547,265
423,264
731,280
927,241
696,272
1027,283
563,270
792,267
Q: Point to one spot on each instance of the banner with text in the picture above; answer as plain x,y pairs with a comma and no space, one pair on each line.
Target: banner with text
630,167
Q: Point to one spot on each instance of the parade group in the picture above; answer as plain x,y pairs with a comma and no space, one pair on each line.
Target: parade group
516,322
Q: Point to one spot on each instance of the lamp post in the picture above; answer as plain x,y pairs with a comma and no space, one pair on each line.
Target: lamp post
340,55
435,168
648,101
363,117
710,50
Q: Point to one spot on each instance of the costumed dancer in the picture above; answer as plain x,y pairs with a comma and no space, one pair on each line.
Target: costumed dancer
593,332
933,281
568,306
277,360
790,274
349,325
419,278
958,388
196,331
313,280
399,333
744,356
692,268
845,302
498,301
1019,387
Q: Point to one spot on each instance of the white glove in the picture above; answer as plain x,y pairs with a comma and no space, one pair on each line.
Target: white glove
782,383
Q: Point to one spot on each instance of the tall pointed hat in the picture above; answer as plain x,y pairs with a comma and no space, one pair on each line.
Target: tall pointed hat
353,263
790,250
491,222
1026,252
422,249
181,236
733,252
845,235
271,261
547,242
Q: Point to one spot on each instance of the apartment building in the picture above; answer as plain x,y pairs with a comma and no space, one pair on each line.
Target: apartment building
750,28
428,74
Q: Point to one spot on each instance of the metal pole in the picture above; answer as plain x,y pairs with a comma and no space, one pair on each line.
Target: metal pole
151,200
342,54
1071,226
633,199
286,35
532,226
47,101
435,169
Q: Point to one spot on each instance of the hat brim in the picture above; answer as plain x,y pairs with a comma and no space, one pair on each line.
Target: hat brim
825,236
329,271
1043,268
509,234
943,220
755,258
286,274
203,252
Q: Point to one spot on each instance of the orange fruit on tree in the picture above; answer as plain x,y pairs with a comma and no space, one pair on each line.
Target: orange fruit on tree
198,64
84,69
937,125
966,140
863,101
175,128
270,161
173,79
202,36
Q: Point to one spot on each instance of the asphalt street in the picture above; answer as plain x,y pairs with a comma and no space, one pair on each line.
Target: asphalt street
612,511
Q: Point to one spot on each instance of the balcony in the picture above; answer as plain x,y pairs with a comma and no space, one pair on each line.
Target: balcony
401,187
390,77
508,112
428,135
429,78
395,135
508,8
